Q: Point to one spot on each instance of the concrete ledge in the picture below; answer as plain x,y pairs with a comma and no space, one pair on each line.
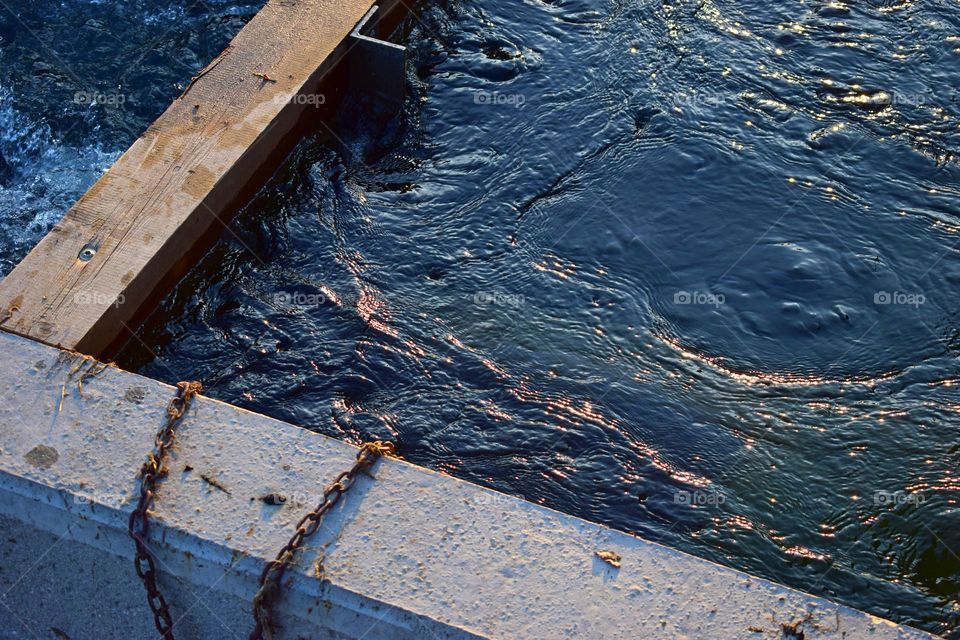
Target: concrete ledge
413,555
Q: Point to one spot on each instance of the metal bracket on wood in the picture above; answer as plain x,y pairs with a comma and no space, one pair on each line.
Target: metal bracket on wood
377,67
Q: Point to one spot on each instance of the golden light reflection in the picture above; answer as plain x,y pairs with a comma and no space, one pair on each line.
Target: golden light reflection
370,306
766,378
803,552
495,412
556,267
331,296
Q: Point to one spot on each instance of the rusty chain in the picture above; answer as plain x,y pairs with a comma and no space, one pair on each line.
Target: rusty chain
138,525
154,469
273,572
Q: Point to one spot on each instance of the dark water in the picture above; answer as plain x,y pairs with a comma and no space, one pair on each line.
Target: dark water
686,269
79,81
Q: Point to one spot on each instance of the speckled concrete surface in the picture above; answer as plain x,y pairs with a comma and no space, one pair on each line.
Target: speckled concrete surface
412,555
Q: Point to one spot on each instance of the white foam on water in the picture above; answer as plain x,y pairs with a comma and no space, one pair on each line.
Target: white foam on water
48,176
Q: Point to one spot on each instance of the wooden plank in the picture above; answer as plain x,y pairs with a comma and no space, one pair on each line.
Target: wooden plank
85,284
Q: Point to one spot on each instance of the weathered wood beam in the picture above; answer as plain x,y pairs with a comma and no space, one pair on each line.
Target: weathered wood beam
86,284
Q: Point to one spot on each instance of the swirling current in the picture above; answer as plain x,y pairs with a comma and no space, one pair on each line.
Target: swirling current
682,268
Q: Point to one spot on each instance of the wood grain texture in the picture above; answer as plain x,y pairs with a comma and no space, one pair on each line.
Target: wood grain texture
154,204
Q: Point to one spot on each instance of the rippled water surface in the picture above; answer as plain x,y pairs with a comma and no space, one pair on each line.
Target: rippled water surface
687,269
79,81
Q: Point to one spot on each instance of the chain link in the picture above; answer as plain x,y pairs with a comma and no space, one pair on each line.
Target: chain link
273,572
138,525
